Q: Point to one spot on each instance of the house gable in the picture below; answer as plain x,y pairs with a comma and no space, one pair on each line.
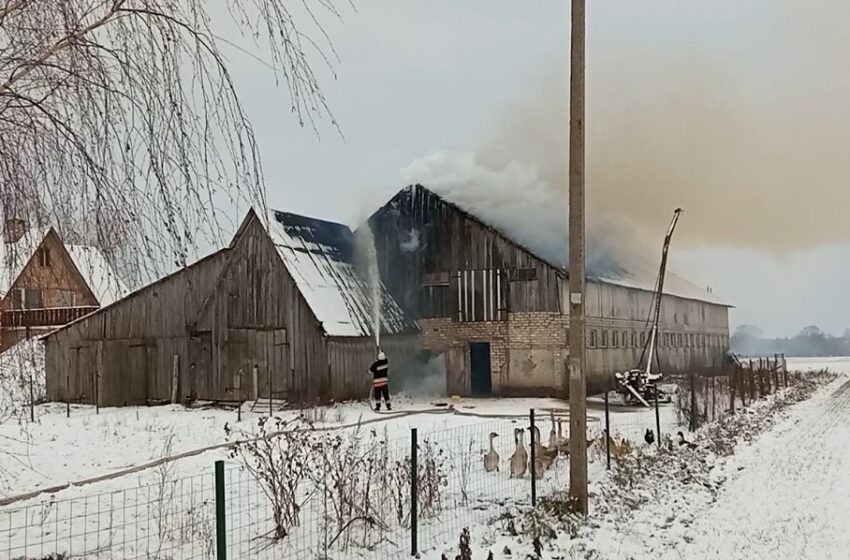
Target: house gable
51,273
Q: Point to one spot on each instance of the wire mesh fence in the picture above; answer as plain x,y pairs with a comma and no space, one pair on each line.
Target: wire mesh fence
356,492
705,395
351,494
173,518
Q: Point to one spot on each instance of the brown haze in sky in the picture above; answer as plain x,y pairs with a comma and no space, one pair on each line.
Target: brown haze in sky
749,131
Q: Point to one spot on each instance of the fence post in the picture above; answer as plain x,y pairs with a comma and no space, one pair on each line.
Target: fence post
67,395
414,493
220,525
730,382
533,461
692,427
657,418
776,370
785,369
607,434
32,401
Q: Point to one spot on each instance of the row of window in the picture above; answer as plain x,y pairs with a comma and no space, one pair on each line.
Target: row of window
615,338
34,298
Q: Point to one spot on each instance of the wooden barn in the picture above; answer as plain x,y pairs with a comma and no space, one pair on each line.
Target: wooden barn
280,313
495,308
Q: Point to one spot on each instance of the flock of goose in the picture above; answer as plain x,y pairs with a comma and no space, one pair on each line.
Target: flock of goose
545,456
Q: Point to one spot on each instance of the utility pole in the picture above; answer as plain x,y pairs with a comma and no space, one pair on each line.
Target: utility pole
578,387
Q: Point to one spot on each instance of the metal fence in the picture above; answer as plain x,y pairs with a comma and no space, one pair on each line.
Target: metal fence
705,395
350,494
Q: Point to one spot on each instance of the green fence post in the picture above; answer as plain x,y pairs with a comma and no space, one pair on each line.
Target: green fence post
414,493
533,460
220,526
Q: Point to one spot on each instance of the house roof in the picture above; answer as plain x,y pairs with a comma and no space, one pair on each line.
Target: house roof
631,271
320,256
14,256
92,265
100,276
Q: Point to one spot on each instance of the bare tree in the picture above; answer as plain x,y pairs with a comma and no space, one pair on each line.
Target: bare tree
120,119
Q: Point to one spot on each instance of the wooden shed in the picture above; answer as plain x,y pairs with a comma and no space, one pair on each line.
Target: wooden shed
282,312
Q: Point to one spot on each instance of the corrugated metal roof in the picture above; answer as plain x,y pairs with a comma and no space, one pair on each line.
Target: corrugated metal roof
320,257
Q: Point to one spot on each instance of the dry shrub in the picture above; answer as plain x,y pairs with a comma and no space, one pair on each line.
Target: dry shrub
279,460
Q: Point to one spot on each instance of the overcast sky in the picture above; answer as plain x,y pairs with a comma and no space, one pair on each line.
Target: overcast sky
418,76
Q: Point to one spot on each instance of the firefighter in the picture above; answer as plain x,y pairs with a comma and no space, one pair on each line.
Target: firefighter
380,380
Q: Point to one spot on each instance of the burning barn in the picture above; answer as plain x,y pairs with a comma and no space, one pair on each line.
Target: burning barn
280,313
495,309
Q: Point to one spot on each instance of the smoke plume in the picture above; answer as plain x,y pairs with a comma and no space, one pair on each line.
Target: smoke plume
734,110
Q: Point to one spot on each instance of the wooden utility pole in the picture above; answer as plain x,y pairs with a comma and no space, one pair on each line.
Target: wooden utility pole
578,388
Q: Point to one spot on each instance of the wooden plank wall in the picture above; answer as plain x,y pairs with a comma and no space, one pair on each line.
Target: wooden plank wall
222,317
133,341
350,358
418,233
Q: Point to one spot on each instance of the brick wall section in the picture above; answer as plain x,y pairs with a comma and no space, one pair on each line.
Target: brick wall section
530,336
542,339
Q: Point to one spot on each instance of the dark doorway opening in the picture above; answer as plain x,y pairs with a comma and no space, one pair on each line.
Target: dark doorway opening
479,366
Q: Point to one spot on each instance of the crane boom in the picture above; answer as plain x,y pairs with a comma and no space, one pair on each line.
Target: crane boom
659,290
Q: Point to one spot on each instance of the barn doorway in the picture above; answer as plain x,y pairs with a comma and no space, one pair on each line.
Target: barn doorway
480,384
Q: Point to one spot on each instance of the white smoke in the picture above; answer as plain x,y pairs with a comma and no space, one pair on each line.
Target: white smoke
513,197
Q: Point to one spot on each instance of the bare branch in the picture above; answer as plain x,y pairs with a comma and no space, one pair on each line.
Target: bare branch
122,125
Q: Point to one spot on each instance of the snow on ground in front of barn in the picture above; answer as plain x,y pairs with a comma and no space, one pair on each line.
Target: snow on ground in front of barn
57,449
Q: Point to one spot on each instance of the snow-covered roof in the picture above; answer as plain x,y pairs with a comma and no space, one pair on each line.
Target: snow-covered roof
643,275
96,271
320,257
106,286
15,255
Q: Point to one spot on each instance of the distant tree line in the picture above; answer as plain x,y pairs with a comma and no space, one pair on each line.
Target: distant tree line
811,341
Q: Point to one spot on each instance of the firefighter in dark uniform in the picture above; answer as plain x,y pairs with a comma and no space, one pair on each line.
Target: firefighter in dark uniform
380,380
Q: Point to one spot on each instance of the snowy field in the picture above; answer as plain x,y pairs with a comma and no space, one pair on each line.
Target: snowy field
116,448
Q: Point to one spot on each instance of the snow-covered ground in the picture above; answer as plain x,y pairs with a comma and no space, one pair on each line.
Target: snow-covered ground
57,450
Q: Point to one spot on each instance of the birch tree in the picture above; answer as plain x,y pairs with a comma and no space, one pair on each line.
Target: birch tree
120,120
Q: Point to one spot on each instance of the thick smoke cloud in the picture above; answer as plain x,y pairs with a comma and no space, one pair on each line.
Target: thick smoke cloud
733,109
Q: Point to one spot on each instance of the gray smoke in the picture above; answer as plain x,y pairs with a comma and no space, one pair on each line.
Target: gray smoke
734,110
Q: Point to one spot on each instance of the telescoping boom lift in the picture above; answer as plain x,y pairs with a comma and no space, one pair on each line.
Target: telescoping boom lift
638,386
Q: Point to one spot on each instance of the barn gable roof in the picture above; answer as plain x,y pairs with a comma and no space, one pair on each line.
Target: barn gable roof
629,271
320,256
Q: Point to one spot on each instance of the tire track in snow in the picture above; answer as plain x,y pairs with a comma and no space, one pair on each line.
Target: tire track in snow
792,497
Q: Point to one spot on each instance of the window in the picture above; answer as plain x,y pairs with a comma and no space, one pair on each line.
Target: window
480,295
17,299
593,338
523,274
634,339
26,298
681,340
435,279
43,256
604,338
643,338
65,298
615,339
